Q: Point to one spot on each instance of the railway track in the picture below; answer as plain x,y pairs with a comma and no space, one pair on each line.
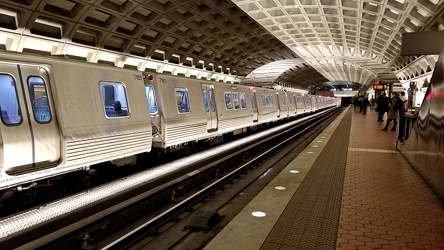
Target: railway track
169,212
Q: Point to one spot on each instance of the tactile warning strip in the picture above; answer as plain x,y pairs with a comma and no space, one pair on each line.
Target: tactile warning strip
311,219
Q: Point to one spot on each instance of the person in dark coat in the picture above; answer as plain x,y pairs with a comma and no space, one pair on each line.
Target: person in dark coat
357,104
402,118
382,106
365,104
393,114
118,108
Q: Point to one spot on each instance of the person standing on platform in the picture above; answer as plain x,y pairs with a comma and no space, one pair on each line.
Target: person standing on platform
402,118
361,108
357,104
382,106
366,103
393,114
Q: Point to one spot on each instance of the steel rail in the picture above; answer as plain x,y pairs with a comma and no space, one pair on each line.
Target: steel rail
171,212
31,230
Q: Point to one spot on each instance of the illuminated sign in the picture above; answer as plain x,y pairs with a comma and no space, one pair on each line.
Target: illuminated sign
380,86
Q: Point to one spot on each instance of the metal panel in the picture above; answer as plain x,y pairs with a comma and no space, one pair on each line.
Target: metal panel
99,149
424,147
212,117
235,123
87,130
184,133
16,140
46,135
413,43
178,127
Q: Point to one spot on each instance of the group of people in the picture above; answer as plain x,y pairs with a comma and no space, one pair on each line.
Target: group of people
360,104
395,109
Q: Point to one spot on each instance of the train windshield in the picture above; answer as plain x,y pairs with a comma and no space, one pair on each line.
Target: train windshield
151,99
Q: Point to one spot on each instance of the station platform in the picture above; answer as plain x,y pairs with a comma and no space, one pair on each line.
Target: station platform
349,189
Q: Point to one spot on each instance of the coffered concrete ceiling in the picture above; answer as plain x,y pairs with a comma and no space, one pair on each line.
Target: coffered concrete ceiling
302,43
350,40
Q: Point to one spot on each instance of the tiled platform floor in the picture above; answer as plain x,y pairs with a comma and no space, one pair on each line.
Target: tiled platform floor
385,204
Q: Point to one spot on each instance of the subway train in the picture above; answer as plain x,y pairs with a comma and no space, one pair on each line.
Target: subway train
60,116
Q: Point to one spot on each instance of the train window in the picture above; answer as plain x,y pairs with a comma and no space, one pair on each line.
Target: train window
236,104
9,106
290,100
204,94
299,100
114,99
264,100
267,100
271,100
39,99
283,101
210,93
243,102
183,105
228,102
151,99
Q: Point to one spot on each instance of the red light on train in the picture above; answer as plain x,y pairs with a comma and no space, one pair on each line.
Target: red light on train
150,77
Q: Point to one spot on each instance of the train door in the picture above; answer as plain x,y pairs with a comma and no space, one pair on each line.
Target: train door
30,132
285,104
254,104
210,107
291,104
300,104
278,104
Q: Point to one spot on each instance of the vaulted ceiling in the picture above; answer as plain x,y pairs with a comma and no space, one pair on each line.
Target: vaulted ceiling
306,44
348,40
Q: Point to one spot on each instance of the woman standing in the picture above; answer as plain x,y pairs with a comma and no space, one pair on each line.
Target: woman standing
393,113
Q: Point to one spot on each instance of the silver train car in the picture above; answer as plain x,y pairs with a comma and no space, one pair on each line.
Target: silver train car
60,116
